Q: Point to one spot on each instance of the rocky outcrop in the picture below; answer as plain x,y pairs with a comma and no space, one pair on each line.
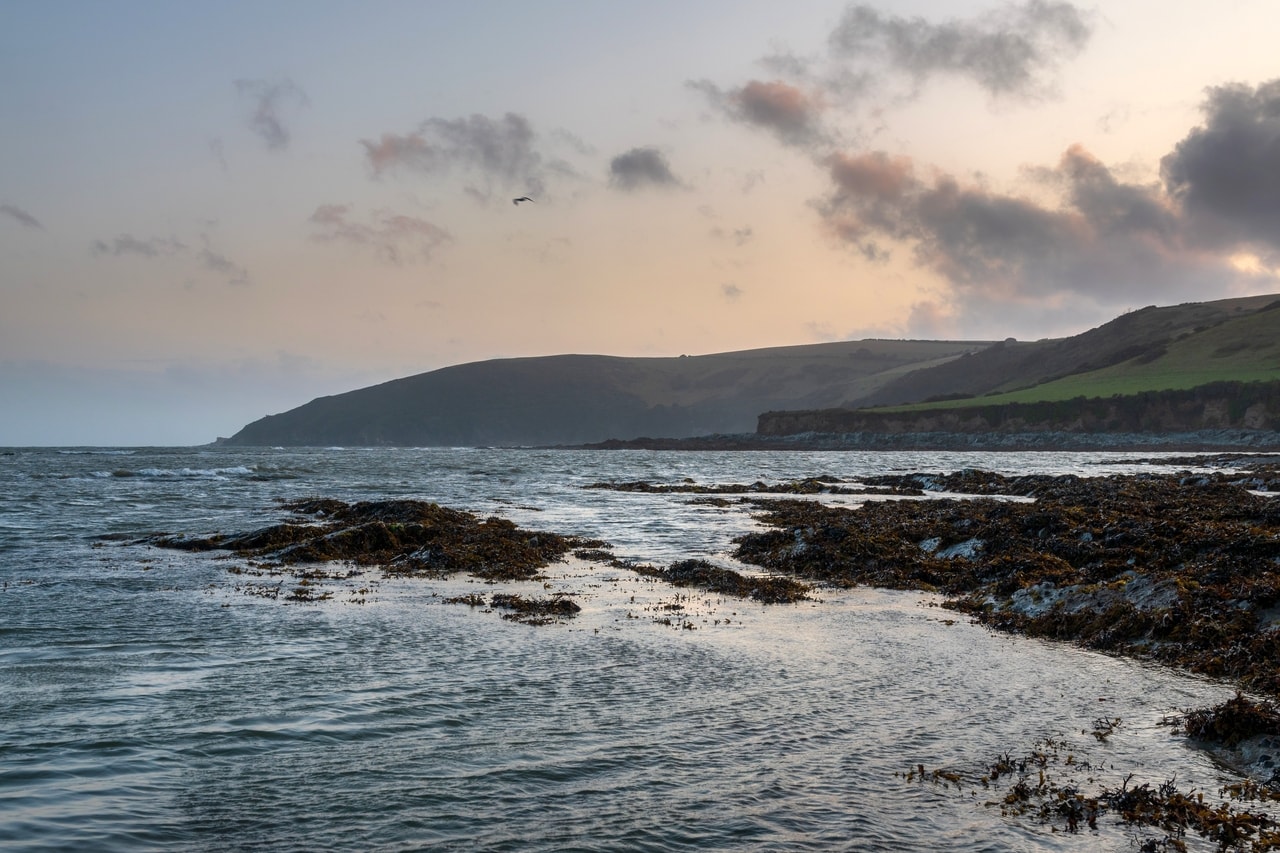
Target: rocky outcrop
1175,568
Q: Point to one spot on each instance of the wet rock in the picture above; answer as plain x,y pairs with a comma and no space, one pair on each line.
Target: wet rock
700,573
817,485
536,611
402,537
1183,572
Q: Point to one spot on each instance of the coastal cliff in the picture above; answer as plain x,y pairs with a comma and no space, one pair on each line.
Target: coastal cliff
1253,406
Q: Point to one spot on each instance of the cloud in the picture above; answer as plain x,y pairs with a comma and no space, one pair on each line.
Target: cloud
1105,239
786,110
220,263
23,218
1006,52
927,319
822,332
127,244
162,247
218,152
740,236
272,100
731,291
640,168
1220,199
392,151
812,103
1226,173
1211,224
502,151
392,236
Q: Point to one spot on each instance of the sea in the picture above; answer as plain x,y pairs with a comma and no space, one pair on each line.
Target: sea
153,699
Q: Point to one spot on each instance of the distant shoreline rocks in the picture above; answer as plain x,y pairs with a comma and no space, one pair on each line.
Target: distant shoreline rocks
1217,440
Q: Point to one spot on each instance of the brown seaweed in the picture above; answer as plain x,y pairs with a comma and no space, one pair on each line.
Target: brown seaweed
1182,569
768,589
402,537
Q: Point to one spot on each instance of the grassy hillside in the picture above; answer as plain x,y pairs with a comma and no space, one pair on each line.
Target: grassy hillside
577,399
581,399
1154,349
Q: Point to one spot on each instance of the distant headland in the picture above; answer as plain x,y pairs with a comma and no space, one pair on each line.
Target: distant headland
1200,375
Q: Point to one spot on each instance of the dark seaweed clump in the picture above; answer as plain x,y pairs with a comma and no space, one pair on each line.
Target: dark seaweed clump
1234,721
402,537
770,589
818,485
525,609
1180,569
1051,784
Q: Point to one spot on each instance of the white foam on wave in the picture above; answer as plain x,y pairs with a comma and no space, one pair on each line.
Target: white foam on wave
96,452
197,473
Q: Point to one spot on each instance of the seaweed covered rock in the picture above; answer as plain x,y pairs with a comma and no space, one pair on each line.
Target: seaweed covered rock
823,484
1182,570
1236,720
403,537
771,589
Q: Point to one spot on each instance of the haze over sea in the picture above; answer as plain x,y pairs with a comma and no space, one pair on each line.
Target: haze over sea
149,703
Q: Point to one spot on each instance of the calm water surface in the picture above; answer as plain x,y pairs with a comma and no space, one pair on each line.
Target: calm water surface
148,703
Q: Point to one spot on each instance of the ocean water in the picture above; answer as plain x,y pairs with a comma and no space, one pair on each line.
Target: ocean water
149,700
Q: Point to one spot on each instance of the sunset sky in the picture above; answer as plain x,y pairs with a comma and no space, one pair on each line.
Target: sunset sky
210,212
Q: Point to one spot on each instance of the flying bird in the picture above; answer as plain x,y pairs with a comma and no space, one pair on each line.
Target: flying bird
516,201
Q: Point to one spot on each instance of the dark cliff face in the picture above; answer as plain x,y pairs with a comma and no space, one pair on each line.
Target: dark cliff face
1221,405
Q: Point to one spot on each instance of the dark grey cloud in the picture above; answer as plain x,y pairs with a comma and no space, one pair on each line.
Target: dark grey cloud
503,152
1226,173
393,237
273,102
1006,52
23,218
640,168
127,244
731,291
1108,240
1104,240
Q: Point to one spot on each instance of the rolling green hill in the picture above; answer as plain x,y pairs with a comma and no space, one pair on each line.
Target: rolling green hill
1201,366
1122,354
1155,354
576,399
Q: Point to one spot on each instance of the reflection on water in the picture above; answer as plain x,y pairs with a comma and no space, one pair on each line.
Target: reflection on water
148,705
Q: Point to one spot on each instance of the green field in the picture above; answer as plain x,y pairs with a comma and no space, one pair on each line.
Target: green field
1241,349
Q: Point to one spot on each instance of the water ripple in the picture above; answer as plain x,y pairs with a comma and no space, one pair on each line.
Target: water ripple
143,714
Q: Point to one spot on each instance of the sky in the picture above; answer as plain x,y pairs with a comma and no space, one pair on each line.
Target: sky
211,212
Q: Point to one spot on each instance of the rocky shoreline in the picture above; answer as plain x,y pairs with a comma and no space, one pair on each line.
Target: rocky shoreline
1178,569
1216,440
